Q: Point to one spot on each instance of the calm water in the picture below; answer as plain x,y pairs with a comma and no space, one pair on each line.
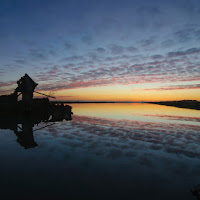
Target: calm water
107,151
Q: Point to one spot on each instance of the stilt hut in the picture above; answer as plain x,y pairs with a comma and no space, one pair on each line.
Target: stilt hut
26,87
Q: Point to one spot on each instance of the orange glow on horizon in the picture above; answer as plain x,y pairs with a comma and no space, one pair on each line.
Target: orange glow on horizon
129,110
109,94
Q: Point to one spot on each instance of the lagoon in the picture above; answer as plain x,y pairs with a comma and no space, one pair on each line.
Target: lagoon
107,151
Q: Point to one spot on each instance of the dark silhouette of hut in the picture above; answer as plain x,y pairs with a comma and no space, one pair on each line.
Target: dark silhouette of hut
12,98
22,123
9,104
25,135
26,87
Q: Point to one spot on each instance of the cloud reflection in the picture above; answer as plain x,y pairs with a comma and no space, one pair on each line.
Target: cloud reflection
127,138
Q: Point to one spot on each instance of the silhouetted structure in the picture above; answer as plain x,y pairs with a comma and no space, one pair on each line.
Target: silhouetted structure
29,112
12,98
25,136
26,87
22,123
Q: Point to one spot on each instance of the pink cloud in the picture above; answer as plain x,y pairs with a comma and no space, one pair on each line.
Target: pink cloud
176,87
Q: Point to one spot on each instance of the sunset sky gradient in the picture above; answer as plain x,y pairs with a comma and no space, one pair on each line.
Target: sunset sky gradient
108,50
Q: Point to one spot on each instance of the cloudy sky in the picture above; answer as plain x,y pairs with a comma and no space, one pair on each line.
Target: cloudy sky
123,50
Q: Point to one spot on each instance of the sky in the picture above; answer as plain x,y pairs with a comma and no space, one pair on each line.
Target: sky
108,50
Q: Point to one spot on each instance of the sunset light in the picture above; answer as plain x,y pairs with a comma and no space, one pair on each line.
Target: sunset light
147,51
99,99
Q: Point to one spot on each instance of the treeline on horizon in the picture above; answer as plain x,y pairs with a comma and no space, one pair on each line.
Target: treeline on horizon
183,101
191,104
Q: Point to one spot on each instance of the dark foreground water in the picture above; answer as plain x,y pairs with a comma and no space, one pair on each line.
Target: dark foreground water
107,151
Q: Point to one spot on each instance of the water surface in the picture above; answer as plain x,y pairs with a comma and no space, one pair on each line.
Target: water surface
107,151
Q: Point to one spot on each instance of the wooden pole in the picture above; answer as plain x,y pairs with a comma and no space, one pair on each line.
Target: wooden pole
45,94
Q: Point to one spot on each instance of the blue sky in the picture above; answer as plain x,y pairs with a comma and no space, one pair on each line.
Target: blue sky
68,46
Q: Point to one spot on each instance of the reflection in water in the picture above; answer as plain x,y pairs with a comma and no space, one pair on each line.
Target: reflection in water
196,191
139,112
22,123
106,153
25,136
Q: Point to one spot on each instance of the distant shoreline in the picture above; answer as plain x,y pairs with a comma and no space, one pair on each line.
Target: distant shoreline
189,104
94,102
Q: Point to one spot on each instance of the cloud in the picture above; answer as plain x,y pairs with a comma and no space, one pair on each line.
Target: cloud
54,70
179,118
68,66
177,87
93,70
147,42
69,46
167,43
38,54
183,36
52,52
116,49
7,84
87,39
74,58
7,87
170,138
187,34
184,53
131,49
21,61
94,80
100,50
155,57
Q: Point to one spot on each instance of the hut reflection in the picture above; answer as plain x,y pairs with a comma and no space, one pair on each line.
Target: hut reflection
25,136
22,123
